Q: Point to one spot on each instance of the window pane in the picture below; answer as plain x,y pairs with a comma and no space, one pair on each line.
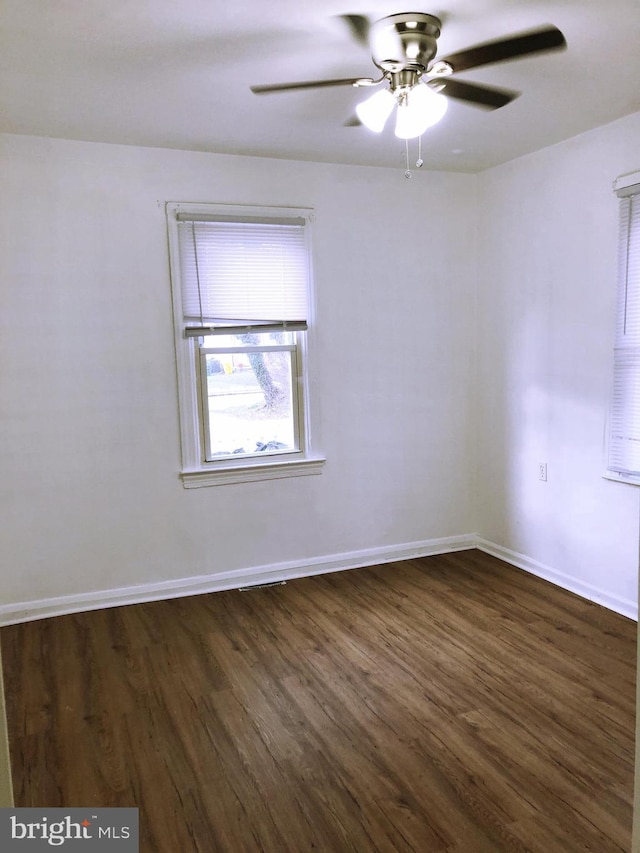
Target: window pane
250,403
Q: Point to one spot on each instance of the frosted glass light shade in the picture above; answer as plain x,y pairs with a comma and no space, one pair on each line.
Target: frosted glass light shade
422,109
374,112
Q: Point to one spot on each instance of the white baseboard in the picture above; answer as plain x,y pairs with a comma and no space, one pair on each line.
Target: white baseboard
27,611
572,584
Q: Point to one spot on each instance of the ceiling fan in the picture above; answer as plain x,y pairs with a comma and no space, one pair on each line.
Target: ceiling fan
404,48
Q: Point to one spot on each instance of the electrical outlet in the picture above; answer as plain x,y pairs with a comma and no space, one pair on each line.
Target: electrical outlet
542,471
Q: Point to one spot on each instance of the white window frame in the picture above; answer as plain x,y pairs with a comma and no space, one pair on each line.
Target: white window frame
196,470
627,343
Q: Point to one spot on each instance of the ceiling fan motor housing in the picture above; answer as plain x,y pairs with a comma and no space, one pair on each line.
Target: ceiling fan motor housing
406,42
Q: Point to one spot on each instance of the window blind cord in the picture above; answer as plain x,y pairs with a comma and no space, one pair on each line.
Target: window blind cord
626,271
195,255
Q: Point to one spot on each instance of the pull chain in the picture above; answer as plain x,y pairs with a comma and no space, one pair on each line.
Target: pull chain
407,174
419,162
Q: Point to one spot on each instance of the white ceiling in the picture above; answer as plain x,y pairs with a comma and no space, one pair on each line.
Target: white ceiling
176,74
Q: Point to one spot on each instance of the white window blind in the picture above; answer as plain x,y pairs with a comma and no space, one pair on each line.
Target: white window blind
624,421
243,270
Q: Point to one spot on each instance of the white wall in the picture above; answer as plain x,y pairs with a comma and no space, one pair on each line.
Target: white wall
90,498
548,253
89,453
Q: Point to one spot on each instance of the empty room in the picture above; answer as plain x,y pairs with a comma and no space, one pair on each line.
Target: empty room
320,426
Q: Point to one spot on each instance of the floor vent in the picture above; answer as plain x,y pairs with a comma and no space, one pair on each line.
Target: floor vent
262,586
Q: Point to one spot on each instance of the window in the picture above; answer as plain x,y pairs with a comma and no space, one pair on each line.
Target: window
624,420
241,286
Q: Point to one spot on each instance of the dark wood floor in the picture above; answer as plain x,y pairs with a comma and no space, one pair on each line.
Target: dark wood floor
449,703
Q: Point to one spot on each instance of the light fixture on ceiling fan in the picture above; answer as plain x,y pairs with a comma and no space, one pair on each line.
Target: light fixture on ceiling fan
404,48
419,107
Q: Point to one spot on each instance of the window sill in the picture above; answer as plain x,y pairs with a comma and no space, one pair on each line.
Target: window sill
196,478
629,479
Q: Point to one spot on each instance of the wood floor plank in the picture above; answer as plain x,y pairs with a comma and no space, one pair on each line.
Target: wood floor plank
448,704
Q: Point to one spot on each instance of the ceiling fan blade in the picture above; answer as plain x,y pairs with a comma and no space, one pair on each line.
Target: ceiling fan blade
537,41
486,97
309,84
359,26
